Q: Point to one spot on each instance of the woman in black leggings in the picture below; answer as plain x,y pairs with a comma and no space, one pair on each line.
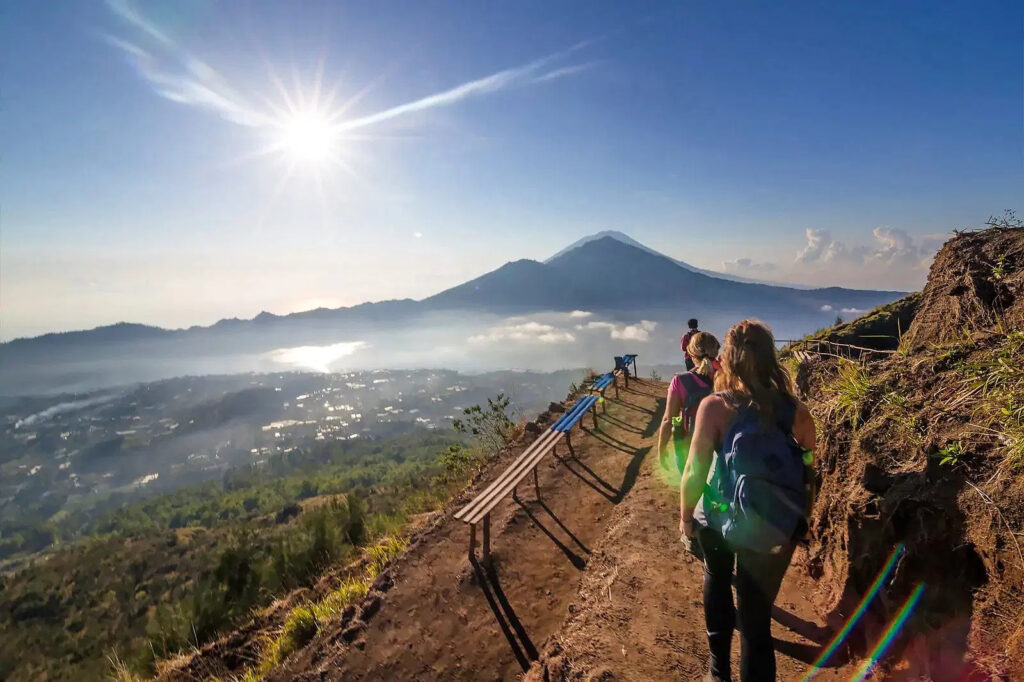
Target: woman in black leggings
750,382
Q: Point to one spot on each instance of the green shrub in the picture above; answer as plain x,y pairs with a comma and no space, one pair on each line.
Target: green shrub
491,428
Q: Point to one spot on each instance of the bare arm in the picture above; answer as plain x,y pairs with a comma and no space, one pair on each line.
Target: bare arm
706,434
803,427
805,434
673,407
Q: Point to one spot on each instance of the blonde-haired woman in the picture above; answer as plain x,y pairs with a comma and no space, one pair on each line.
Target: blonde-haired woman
684,395
759,492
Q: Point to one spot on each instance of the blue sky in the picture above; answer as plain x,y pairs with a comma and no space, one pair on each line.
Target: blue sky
148,170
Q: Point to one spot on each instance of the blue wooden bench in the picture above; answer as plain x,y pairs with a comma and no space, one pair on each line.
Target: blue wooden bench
480,508
601,383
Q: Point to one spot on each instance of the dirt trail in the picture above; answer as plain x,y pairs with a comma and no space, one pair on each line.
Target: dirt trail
591,579
639,613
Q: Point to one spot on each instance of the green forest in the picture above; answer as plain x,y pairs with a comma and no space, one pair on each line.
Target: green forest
159,576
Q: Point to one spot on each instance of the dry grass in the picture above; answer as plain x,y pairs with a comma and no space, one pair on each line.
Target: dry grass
996,378
119,670
306,621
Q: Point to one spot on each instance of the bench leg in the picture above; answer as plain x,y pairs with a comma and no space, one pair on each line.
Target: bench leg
617,387
472,541
604,405
515,492
536,482
593,415
487,537
625,375
568,443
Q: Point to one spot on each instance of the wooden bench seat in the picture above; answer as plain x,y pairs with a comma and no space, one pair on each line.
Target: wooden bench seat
479,509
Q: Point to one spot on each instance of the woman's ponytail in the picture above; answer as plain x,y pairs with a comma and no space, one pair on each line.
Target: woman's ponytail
703,349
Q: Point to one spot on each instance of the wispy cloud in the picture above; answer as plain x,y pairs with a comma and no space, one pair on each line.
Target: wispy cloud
746,265
565,71
178,76
502,80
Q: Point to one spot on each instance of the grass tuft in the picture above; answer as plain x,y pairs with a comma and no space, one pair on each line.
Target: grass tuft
851,387
306,621
120,670
299,629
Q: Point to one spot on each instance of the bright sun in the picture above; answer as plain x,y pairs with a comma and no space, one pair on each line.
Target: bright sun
308,137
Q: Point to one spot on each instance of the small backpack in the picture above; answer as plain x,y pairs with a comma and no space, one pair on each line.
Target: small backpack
685,342
697,388
761,481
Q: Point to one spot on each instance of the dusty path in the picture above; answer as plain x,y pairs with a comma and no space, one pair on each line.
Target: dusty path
591,579
639,613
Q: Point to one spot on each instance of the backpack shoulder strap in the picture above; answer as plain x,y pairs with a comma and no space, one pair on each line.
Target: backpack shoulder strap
686,379
785,416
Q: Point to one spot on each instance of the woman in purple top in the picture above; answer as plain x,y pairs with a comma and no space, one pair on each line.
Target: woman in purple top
684,395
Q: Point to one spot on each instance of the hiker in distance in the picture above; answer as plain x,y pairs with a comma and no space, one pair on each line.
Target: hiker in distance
755,507
684,342
684,395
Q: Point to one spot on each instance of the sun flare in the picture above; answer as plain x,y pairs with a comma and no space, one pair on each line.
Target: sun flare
308,137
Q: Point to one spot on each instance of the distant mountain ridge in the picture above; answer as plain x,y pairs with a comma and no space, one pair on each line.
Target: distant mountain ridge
606,271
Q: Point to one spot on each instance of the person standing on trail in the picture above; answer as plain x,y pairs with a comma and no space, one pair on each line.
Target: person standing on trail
684,395
684,342
755,507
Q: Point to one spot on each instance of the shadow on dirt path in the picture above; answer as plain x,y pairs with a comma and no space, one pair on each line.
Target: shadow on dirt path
519,642
639,612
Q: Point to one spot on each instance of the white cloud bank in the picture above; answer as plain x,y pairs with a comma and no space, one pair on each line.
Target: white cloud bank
641,331
524,332
892,246
555,328
892,258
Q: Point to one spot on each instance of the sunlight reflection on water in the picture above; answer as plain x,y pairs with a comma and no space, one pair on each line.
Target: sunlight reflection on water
316,358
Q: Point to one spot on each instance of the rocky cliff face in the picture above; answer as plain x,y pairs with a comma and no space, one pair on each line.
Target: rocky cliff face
924,448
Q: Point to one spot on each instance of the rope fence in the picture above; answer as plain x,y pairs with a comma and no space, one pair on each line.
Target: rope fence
844,351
